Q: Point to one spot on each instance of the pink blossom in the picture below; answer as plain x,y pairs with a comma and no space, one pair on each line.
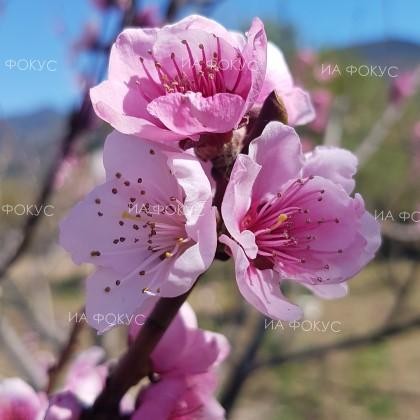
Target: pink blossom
306,58
86,376
402,87
83,383
290,216
68,165
322,100
186,377
416,132
181,80
18,401
297,101
307,144
324,72
64,406
150,229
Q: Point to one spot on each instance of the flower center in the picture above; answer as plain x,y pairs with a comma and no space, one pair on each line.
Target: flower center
205,74
152,231
285,232
165,232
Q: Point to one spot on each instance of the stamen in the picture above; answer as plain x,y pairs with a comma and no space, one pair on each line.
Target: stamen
280,220
191,61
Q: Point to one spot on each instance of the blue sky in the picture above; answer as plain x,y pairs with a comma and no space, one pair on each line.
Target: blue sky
28,31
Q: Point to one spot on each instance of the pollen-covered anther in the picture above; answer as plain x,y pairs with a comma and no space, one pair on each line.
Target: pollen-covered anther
280,220
147,291
128,216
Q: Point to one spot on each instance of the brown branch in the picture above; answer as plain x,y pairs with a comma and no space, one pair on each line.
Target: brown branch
65,353
134,365
240,372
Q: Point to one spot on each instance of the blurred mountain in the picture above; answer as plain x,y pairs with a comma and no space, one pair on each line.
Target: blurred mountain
403,54
31,140
40,125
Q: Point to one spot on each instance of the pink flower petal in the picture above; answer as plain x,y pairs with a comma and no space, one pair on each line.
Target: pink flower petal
125,110
298,103
338,165
109,305
329,291
279,152
255,55
237,201
195,114
260,287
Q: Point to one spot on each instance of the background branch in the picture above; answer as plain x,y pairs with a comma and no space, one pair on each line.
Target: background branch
380,334
19,353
